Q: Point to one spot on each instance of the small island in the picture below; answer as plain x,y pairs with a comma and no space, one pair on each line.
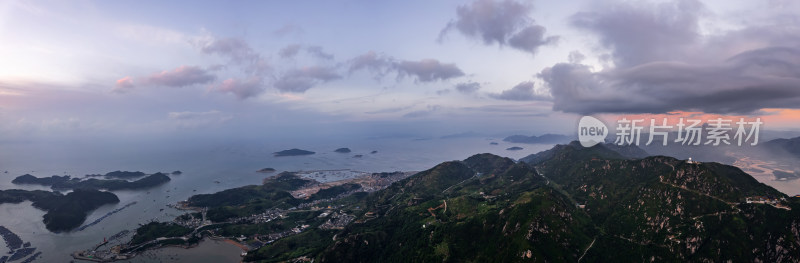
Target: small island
515,148
342,150
293,152
373,152
493,143
177,173
358,156
64,212
267,170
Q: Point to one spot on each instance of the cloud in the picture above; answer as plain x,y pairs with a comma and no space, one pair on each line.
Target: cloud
639,32
523,91
378,64
287,30
317,52
468,87
180,77
292,50
423,113
427,70
243,89
190,119
301,79
531,38
661,64
123,85
239,53
499,22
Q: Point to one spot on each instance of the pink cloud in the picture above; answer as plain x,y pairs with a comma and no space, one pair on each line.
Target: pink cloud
181,76
123,85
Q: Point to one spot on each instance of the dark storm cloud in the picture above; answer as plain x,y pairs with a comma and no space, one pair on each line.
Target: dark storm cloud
501,22
661,63
301,79
763,78
523,91
180,77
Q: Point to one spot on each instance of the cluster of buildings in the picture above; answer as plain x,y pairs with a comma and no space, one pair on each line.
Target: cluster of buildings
266,216
776,202
336,220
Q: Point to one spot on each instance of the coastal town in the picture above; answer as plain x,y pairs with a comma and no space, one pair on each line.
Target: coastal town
328,213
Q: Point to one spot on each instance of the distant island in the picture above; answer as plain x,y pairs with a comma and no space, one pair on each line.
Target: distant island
783,146
342,150
64,212
358,156
515,148
373,152
67,182
293,152
267,170
544,139
493,143
124,174
177,173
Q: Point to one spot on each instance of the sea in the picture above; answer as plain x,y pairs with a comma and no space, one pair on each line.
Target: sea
209,166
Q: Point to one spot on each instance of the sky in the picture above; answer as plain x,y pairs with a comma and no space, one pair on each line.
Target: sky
290,69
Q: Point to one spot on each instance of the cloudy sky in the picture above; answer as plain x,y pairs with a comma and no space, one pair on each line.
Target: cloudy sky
363,68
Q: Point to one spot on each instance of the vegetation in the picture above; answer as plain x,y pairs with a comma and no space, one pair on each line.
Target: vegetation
124,174
566,204
293,152
153,230
65,182
656,208
64,212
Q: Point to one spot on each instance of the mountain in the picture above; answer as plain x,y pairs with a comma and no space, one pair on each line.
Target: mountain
63,212
787,146
543,139
570,204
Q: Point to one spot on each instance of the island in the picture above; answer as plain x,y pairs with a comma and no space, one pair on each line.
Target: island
515,148
358,156
342,150
493,143
177,173
373,152
293,152
64,212
124,174
66,182
267,170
